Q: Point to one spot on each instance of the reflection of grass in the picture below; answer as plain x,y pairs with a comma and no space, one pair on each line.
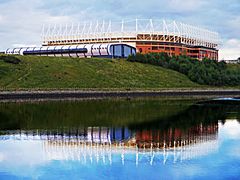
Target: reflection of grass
53,115
188,118
55,72
135,114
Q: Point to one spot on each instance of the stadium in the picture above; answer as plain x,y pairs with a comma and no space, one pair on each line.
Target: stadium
119,39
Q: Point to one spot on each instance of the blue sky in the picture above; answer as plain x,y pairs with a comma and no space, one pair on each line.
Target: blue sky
21,20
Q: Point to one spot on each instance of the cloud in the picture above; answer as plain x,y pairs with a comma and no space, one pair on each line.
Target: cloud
230,50
230,130
188,5
1,19
23,45
23,22
1,157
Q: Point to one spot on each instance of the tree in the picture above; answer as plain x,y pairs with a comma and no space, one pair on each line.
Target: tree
208,72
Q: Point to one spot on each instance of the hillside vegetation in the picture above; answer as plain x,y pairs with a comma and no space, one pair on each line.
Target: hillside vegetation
205,72
33,72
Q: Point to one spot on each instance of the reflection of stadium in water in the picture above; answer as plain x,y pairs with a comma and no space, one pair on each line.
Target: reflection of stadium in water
142,138
100,143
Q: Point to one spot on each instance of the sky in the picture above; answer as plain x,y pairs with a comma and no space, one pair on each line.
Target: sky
21,20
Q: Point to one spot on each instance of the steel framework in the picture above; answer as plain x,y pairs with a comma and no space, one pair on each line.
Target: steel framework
129,31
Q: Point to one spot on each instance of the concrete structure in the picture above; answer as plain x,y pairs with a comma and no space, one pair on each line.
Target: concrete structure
146,35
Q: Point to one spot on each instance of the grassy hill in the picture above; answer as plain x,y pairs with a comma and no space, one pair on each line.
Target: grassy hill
58,72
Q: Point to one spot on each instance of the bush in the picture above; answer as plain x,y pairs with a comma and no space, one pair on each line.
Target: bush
10,59
205,72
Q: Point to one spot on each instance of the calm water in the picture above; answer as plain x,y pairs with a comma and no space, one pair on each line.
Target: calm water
120,139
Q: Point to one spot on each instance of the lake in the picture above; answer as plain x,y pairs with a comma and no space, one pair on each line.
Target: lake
147,138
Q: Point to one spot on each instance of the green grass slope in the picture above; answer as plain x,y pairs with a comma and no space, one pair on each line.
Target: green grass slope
63,73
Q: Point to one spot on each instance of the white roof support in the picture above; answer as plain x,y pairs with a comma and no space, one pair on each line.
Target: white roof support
187,34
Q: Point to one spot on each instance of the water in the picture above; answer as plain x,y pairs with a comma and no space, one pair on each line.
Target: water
120,139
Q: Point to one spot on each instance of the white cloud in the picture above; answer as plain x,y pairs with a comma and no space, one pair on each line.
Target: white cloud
23,22
23,45
1,19
230,50
230,130
1,157
186,5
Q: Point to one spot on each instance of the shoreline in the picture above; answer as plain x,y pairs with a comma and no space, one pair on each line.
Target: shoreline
81,94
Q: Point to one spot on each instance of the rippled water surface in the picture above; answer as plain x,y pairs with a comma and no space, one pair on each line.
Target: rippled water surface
120,139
